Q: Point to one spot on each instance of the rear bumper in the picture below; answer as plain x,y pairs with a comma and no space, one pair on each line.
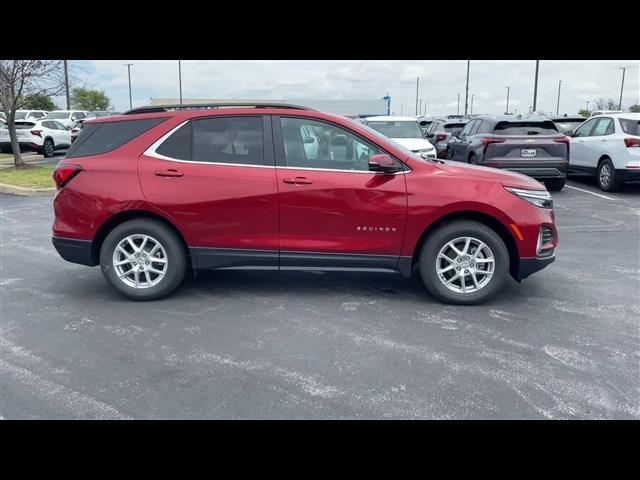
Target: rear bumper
23,146
627,174
529,266
75,251
546,170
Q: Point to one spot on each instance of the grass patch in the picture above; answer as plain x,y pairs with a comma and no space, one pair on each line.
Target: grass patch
35,177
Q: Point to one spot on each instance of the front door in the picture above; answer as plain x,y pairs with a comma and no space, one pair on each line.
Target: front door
215,178
335,212
580,151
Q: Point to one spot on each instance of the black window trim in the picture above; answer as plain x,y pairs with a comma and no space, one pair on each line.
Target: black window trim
268,156
278,138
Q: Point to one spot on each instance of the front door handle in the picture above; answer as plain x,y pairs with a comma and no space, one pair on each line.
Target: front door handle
168,173
298,181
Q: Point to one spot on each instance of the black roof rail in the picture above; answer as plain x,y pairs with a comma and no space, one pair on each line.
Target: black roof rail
206,106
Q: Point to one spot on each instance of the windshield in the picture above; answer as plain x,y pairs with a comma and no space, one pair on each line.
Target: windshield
395,144
58,115
454,127
397,128
565,126
21,115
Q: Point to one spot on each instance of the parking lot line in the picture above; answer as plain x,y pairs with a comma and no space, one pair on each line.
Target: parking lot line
592,193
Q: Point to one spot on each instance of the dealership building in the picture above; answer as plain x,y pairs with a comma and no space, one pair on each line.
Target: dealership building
362,108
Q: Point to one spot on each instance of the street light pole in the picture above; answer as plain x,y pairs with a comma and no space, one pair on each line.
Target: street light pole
458,109
535,87
180,79
508,91
466,98
558,105
417,85
621,87
472,104
66,84
420,108
128,65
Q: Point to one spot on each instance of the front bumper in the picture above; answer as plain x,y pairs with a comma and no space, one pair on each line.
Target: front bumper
75,251
529,266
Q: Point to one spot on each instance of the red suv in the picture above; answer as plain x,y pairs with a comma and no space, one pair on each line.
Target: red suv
149,193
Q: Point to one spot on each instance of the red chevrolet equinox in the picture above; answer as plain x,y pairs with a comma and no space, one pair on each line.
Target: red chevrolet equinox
150,193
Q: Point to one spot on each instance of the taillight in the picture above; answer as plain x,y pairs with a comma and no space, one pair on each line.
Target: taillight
64,174
75,130
487,140
440,137
632,142
36,133
565,140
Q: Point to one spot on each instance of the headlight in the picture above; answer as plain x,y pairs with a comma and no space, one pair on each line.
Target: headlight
539,198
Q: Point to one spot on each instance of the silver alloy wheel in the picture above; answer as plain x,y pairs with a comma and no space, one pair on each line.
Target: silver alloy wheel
140,261
465,265
48,147
605,175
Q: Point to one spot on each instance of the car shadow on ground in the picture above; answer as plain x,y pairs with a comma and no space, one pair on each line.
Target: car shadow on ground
630,188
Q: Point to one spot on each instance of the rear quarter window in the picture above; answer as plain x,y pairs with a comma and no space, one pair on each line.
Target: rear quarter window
526,128
629,126
99,138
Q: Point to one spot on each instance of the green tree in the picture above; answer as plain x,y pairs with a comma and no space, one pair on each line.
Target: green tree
634,108
38,101
86,99
584,112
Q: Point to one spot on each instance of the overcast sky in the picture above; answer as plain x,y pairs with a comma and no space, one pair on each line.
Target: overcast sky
440,82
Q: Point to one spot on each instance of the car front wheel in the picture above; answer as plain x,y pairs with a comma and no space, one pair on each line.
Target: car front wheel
555,185
143,259
464,263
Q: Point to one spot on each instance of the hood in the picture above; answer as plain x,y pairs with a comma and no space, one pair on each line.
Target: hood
414,144
506,177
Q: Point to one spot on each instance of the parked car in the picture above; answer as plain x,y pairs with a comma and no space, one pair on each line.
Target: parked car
30,115
567,124
68,117
607,147
404,130
595,113
440,133
530,145
146,193
42,136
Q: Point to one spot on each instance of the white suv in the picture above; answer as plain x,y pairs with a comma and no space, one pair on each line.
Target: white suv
69,118
607,146
43,136
404,130
30,115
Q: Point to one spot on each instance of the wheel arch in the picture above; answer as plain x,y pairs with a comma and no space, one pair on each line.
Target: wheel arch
124,216
484,218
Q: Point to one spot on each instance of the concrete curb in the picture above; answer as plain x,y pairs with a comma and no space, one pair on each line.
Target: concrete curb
27,192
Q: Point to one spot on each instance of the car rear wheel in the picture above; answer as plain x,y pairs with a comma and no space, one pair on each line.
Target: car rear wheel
464,263
555,185
607,180
473,160
48,148
143,259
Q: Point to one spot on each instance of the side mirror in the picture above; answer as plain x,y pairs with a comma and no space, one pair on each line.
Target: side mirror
430,135
381,162
569,133
457,134
309,140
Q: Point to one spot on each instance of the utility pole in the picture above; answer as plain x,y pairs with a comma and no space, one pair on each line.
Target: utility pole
621,87
535,87
66,84
420,107
417,85
587,105
458,109
180,80
472,104
128,65
508,91
466,98
401,109
558,105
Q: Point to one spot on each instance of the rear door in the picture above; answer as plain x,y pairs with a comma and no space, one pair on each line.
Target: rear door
334,211
215,177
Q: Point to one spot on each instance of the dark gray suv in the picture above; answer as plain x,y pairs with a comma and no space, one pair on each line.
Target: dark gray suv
530,145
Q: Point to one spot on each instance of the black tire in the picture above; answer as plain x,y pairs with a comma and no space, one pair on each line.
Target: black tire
175,253
556,184
472,160
610,184
48,148
450,231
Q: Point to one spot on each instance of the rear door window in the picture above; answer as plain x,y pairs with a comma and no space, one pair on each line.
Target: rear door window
99,138
630,127
603,127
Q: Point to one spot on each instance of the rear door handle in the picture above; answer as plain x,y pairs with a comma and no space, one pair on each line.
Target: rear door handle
168,173
298,181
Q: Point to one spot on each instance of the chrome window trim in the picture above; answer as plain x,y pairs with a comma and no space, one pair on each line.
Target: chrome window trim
151,152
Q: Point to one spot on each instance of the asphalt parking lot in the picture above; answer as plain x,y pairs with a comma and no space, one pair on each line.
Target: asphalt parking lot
563,344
